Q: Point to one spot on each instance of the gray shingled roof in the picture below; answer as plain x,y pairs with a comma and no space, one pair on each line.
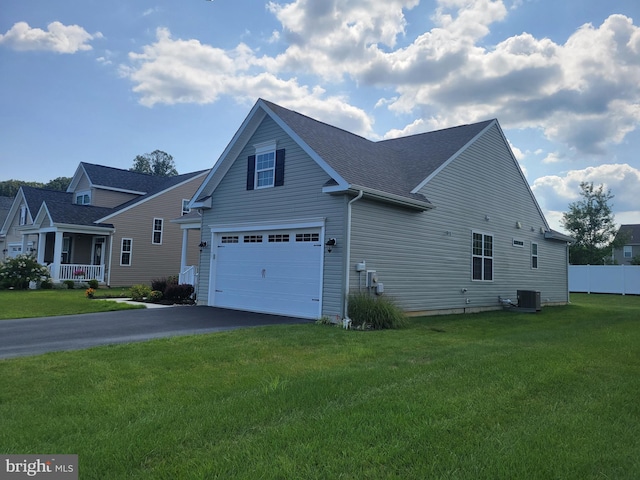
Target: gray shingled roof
122,179
61,207
632,231
5,206
392,166
63,210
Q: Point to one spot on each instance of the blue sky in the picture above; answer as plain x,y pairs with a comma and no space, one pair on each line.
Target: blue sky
102,82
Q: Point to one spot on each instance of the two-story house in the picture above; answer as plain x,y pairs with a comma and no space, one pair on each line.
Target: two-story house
631,248
111,225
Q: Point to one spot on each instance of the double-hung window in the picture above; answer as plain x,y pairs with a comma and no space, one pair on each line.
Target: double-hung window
185,206
157,231
534,255
627,251
482,257
266,167
126,248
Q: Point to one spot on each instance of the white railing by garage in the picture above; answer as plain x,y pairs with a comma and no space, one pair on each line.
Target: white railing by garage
81,273
188,275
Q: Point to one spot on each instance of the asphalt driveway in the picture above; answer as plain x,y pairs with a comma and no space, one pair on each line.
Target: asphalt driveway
33,336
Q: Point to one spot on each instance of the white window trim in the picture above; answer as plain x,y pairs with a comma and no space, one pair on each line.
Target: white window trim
262,149
130,252
23,215
536,255
83,193
482,257
518,242
627,249
185,206
154,231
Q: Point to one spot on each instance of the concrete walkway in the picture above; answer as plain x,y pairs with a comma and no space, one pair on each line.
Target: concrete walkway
33,336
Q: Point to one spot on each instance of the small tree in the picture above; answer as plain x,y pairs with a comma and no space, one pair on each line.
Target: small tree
155,163
19,271
591,222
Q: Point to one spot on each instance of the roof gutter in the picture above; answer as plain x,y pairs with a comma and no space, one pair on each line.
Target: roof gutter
347,263
381,196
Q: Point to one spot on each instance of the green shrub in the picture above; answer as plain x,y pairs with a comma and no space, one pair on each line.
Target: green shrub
17,272
70,284
179,293
155,296
139,292
46,284
161,284
374,312
93,284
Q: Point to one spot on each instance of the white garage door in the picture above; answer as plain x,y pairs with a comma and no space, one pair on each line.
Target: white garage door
276,272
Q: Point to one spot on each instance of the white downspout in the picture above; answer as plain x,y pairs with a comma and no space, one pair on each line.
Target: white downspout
347,263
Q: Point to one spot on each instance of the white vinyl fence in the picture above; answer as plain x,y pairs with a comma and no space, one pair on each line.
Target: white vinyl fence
618,279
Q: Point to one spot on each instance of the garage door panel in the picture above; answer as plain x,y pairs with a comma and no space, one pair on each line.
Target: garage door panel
282,277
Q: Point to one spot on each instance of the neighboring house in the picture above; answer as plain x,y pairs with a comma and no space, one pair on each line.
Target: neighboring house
112,225
631,248
5,205
297,213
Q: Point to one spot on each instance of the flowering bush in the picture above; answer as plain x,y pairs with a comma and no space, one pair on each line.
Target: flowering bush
17,272
89,292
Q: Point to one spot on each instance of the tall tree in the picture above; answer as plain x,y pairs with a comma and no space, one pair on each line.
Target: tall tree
155,163
59,183
9,188
591,223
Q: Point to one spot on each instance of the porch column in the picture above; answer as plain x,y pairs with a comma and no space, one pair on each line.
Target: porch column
57,258
183,255
24,244
42,240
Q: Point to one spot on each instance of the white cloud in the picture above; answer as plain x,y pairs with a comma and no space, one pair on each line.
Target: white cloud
172,71
418,126
555,193
553,157
581,93
58,38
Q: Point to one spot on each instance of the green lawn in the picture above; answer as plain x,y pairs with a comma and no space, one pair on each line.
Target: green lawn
500,395
47,303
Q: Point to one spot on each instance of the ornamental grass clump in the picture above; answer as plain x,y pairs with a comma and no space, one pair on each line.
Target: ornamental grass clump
368,312
21,270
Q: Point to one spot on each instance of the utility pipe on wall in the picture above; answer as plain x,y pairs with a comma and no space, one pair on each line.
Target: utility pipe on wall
347,263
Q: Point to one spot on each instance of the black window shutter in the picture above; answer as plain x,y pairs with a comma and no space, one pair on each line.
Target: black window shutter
279,178
251,172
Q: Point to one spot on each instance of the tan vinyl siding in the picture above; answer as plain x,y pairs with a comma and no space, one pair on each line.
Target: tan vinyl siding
300,198
109,198
149,261
424,258
83,184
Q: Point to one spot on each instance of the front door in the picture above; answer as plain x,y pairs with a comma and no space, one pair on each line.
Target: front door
98,250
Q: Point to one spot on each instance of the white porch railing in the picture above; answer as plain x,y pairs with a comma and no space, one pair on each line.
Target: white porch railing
188,275
80,273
